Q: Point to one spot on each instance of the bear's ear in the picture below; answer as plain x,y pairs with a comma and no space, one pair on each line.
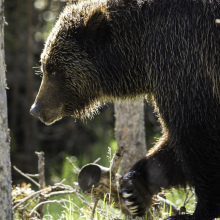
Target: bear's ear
96,28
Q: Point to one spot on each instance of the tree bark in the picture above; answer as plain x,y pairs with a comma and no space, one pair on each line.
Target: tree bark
130,131
5,168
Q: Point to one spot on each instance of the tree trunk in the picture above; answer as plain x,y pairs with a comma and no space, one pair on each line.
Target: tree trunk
130,131
5,169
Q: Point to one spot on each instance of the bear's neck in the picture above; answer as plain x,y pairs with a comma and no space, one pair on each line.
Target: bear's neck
124,66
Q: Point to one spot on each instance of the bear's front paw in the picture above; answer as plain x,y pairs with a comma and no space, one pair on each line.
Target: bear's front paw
135,196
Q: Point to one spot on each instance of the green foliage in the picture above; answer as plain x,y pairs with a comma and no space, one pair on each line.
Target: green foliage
68,209
113,145
181,197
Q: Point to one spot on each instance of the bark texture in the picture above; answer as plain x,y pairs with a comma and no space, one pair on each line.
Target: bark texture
130,131
5,168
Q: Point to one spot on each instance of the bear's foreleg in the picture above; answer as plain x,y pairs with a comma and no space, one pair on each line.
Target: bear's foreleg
159,169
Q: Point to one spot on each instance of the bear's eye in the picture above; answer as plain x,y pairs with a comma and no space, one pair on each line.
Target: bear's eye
48,68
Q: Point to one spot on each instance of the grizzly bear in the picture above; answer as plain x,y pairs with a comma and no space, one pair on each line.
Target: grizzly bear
166,50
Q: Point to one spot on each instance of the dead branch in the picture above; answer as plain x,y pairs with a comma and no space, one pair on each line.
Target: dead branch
187,198
32,175
72,164
116,160
41,173
94,208
27,176
97,160
58,193
41,178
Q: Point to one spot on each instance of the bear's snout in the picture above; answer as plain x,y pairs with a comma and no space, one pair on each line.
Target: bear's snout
35,110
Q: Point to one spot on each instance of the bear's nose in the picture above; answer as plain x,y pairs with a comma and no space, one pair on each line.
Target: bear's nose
35,110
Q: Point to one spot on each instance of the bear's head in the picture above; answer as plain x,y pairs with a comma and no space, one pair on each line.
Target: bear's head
70,71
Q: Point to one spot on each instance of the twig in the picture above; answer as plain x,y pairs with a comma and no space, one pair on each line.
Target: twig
47,196
93,209
41,178
75,167
27,176
33,175
187,200
60,183
116,160
97,160
41,172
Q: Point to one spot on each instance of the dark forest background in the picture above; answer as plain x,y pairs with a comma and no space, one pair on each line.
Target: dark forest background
28,25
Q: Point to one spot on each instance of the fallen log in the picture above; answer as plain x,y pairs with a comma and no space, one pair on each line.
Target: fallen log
104,183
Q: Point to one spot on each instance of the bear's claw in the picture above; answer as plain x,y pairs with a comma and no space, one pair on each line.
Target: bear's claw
128,203
126,195
136,198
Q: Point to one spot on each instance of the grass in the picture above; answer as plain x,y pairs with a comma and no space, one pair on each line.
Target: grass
81,206
84,211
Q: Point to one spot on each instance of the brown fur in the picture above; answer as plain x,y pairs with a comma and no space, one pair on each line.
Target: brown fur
168,49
